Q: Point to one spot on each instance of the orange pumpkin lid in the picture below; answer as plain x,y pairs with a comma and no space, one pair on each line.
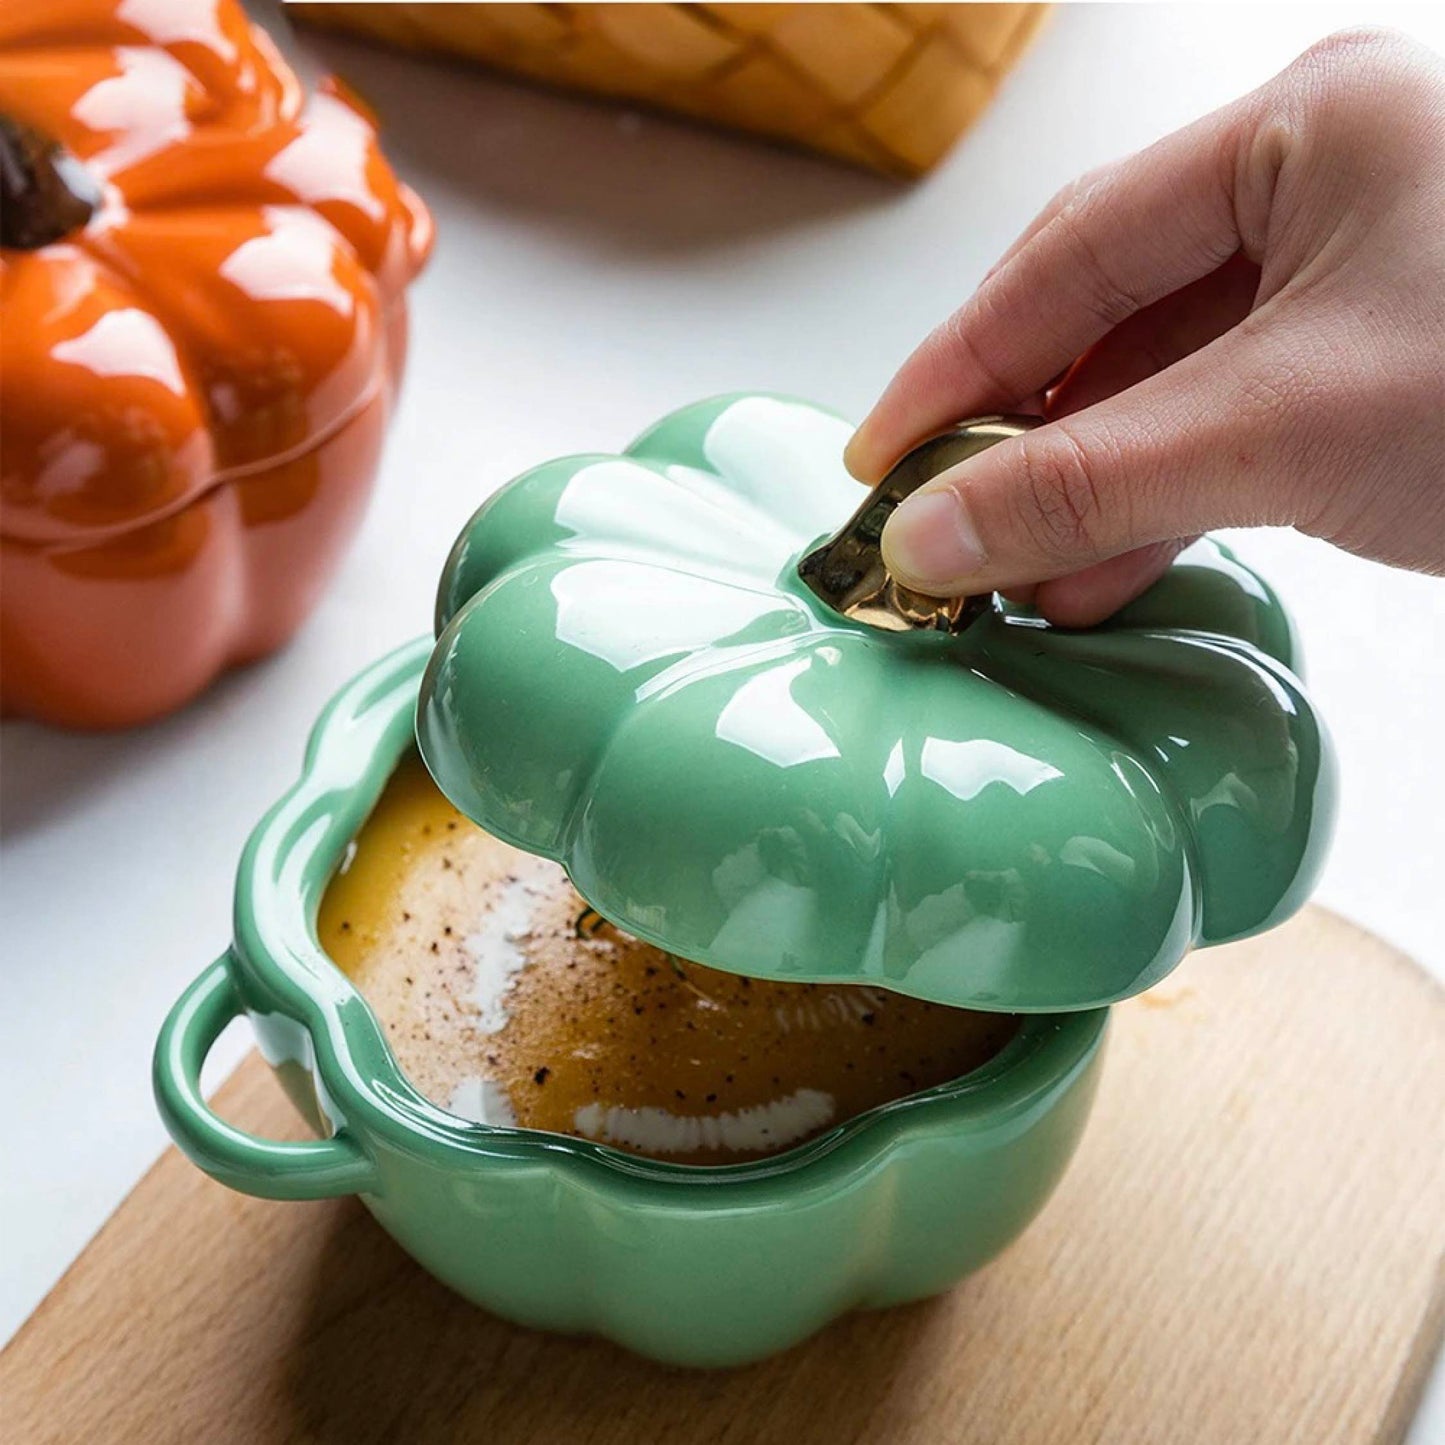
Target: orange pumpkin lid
226,303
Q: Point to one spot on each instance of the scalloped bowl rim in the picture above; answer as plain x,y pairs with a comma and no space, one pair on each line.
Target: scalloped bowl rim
290,858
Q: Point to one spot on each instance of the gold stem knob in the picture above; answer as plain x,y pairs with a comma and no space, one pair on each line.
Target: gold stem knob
847,572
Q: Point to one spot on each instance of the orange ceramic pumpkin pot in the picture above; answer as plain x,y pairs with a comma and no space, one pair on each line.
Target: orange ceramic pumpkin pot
202,326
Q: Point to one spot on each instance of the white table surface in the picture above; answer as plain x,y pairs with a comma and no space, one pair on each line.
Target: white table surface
595,269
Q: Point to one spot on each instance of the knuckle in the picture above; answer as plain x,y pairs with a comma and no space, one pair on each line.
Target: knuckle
1075,191
1347,51
958,348
1108,299
1358,109
1058,505
1360,82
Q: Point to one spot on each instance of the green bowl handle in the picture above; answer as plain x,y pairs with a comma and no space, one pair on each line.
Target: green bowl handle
269,1169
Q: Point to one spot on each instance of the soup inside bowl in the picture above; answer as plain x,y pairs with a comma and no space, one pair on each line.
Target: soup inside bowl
508,1001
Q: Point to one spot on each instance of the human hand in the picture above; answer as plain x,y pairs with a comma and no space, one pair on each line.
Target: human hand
1242,325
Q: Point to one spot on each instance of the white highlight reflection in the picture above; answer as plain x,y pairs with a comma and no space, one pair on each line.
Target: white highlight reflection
703,520
787,461
628,615
966,768
763,717
125,343
893,770
291,263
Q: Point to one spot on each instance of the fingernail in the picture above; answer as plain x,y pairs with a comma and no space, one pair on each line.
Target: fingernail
855,455
930,542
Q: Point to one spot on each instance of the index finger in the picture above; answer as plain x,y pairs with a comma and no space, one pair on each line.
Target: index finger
1140,230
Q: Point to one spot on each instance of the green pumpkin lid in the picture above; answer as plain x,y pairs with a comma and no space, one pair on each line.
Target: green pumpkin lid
746,746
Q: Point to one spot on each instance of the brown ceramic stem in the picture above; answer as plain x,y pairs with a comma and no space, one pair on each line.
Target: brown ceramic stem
45,193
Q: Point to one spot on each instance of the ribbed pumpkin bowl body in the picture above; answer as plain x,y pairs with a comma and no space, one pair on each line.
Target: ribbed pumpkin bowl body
199,370
695,1266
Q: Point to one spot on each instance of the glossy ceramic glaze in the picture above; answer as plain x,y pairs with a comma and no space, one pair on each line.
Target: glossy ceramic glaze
197,381
698,1266
630,678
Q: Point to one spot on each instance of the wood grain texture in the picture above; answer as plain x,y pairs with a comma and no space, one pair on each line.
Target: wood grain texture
1249,1248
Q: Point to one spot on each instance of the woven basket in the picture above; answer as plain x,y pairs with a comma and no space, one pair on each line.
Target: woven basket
887,86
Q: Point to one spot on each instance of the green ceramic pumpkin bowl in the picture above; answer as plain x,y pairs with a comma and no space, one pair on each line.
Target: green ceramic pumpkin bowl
702,1266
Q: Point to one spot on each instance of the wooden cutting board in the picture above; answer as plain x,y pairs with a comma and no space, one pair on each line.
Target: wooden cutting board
1248,1249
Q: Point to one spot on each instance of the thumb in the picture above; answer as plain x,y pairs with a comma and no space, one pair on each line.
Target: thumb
1198,446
